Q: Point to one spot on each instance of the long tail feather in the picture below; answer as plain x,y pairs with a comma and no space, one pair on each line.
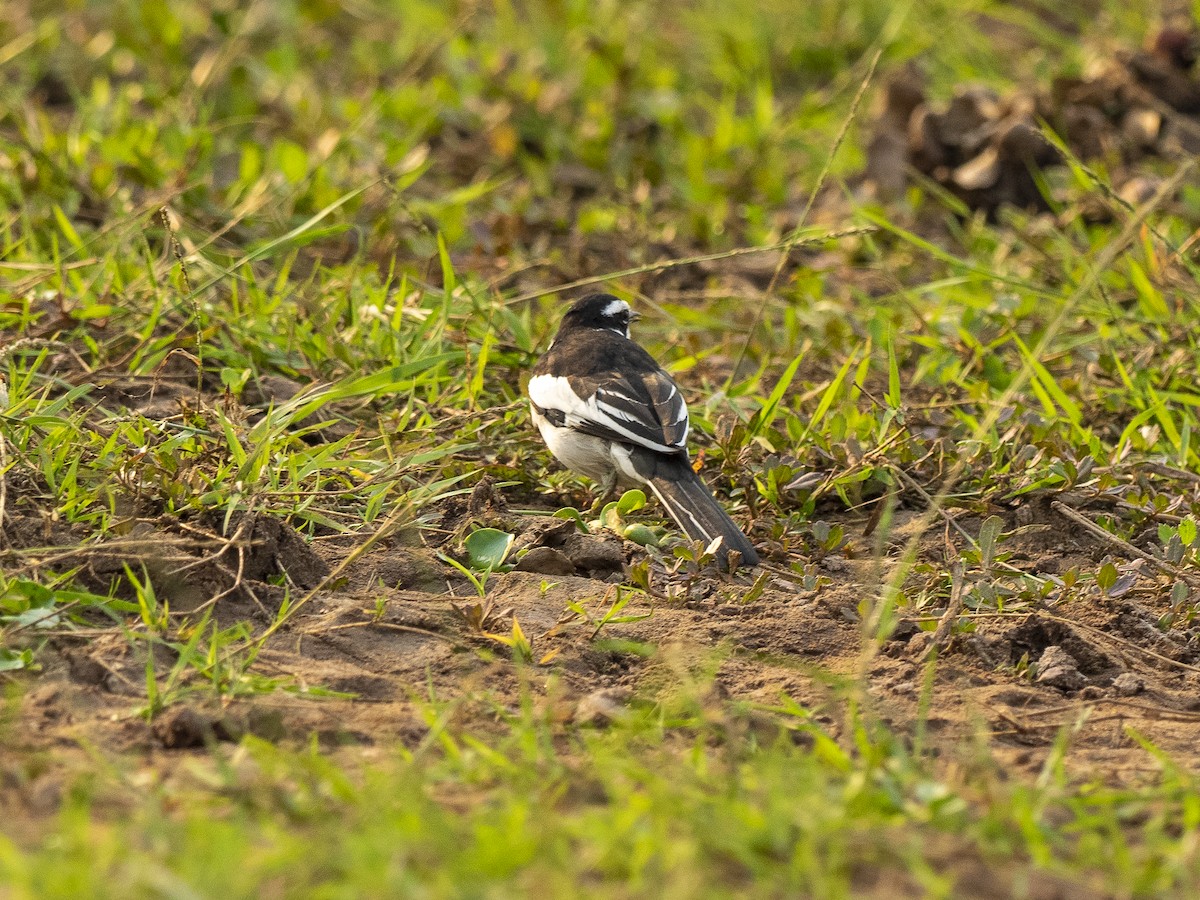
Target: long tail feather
695,510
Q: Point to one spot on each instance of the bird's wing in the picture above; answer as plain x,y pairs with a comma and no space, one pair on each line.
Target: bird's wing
642,408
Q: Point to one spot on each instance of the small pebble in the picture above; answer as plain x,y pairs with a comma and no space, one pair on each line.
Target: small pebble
1057,668
1127,684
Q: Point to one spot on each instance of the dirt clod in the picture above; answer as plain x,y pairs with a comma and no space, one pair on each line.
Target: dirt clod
277,549
184,726
546,560
1057,668
1127,684
599,558
86,668
984,148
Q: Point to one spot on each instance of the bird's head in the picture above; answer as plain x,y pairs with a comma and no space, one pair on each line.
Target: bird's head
599,311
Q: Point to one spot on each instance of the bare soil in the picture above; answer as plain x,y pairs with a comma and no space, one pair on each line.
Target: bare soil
394,628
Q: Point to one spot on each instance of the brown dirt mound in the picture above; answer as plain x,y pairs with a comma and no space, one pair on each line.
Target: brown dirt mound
984,148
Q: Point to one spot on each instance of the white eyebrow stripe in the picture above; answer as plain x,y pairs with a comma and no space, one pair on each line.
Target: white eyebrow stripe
615,308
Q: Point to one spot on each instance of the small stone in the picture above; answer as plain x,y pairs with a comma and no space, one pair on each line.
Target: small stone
546,561
595,556
44,794
969,110
1057,668
1139,190
919,644
86,669
1141,127
1127,684
924,141
267,724
270,389
1020,141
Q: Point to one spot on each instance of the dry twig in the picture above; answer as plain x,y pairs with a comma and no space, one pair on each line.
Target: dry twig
1121,544
950,616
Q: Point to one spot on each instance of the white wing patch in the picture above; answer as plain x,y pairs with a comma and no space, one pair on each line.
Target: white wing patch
555,392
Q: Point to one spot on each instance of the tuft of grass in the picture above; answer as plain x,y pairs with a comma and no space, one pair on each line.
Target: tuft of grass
670,799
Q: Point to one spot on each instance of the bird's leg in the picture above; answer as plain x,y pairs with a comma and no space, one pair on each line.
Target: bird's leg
608,491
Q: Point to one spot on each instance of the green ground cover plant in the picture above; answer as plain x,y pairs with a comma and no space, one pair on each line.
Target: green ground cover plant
293,602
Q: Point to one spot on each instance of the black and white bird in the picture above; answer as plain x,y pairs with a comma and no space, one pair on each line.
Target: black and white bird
607,410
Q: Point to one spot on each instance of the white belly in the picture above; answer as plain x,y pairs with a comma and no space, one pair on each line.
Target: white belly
588,455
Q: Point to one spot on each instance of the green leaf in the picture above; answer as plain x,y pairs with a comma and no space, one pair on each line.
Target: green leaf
610,518
1150,298
250,163
1107,576
38,617
570,512
829,395
989,532
631,501
67,228
1179,594
1187,531
234,379
448,279
488,547
1132,428
893,392
292,161
770,409
1044,381
11,660
641,534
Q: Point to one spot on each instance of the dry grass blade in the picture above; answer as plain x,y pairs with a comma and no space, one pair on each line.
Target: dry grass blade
799,240
953,610
791,243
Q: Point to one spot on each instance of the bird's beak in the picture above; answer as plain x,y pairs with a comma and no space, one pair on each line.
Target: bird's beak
634,315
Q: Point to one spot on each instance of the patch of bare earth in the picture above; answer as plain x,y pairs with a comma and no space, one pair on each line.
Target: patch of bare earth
393,630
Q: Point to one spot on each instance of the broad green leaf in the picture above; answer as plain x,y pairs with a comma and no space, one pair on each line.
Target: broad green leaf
1179,593
1107,576
1150,298
770,409
893,393
1187,531
989,532
487,548
11,660
641,534
631,501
